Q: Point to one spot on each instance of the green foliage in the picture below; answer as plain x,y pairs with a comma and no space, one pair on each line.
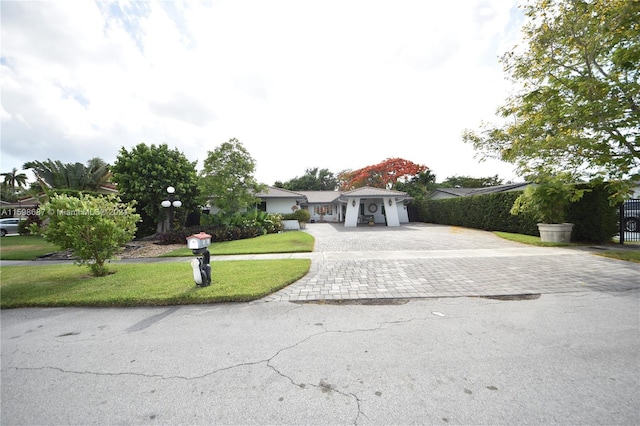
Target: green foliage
14,180
549,199
302,215
24,227
227,178
593,216
223,227
218,233
419,185
313,180
56,174
269,222
145,172
489,212
93,227
470,182
578,107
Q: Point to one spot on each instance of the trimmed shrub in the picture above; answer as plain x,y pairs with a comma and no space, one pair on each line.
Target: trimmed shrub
594,218
488,212
218,233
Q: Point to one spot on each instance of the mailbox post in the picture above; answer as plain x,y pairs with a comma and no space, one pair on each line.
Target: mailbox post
198,244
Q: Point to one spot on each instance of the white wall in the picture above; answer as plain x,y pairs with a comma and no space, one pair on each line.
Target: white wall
403,213
280,205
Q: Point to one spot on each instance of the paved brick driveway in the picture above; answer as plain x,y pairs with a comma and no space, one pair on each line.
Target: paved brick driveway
424,260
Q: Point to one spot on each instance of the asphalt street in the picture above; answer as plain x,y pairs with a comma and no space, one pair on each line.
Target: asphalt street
548,355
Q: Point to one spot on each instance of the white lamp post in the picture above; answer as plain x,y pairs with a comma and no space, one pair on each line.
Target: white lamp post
171,203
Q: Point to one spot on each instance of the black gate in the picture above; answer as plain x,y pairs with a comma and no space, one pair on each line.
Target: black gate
630,221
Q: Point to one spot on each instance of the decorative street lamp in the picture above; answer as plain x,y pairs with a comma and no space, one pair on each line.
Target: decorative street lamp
171,203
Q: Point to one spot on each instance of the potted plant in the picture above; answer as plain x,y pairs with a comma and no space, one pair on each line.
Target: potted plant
303,217
547,200
371,221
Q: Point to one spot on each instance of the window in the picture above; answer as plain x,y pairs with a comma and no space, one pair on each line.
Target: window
262,206
323,210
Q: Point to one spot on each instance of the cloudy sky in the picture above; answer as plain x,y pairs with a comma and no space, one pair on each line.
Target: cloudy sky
329,84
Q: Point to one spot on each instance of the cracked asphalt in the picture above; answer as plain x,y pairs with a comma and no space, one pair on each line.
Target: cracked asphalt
568,353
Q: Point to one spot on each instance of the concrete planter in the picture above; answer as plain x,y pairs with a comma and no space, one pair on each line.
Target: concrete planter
555,232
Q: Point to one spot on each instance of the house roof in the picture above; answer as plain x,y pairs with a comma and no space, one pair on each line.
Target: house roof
273,192
328,197
369,192
321,197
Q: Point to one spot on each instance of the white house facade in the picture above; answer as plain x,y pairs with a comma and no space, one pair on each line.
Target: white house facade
362,205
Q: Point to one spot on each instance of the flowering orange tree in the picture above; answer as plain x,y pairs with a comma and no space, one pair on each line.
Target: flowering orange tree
382,175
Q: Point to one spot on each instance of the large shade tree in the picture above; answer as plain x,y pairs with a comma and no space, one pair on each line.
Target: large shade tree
227,178
145,172
314,179
577,104
382,175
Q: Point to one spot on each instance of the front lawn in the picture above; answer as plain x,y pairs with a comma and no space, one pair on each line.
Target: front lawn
148,284
286,242
629,255
529,239
25,247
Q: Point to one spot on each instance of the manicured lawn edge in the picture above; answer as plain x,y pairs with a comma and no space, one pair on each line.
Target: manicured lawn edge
530,239
145,284
629,255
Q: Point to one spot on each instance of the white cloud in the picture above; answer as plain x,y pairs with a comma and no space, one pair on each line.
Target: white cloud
301,84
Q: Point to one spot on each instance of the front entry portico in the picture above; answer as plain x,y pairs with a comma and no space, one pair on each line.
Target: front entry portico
377,203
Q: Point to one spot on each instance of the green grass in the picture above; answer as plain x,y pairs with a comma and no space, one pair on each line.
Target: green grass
145,284
286,242
24,247
529,239
628,255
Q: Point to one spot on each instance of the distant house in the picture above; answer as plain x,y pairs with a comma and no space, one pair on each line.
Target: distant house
384,206
442,193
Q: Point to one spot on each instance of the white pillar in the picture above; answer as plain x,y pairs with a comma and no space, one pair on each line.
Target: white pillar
391,209
353,209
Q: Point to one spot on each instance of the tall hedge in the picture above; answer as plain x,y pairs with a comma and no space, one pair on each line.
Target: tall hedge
593,217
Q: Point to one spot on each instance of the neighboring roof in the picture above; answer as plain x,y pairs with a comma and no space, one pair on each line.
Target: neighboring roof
467,192
500,188
455,192
321,197
273,192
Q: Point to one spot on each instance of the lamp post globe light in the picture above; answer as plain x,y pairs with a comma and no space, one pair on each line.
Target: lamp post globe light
171,203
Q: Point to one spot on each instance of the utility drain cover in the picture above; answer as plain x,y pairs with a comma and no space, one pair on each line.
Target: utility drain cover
525,296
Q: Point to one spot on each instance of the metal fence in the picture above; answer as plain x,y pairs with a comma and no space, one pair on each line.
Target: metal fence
630,221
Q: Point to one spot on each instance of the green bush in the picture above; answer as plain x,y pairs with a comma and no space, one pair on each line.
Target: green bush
218,233
488,212
93,227
594,218
269,223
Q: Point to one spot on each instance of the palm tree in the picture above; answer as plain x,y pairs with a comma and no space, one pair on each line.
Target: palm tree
13,179
55,174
